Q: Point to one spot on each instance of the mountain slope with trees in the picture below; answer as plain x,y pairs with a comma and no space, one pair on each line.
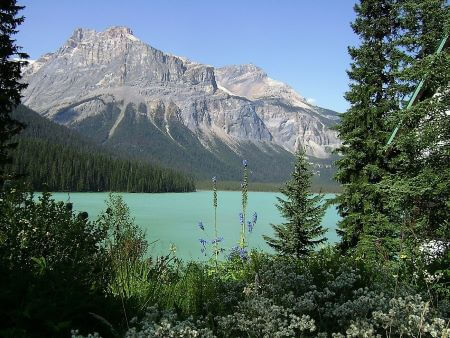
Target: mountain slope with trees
53,157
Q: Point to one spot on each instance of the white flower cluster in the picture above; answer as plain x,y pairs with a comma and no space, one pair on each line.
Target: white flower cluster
258,316
166,324
433,249
285,300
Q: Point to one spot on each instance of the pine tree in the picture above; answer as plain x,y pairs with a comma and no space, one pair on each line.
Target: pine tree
303,212
375,93
9,78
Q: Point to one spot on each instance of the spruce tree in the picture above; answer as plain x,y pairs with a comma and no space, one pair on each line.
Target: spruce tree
10,73
375,93
303,212
418,182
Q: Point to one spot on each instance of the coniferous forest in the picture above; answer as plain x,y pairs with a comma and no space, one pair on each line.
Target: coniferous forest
54,158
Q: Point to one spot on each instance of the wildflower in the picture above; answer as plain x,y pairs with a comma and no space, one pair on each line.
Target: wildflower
217,240
214,179
203,241
243,253
233,252
244,163
241,218
250,226
237,251
200,225
255,218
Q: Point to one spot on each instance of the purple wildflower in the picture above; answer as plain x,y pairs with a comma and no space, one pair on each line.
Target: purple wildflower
243,253
241,218
200,225
255,217
203,241
250,226
217,240
244,163
234,251
237,251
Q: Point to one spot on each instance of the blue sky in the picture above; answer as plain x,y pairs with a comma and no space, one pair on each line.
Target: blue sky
300,42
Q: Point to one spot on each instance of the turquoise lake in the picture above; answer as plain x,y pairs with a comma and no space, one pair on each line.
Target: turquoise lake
172,218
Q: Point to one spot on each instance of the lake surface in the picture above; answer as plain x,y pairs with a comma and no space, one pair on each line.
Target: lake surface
172,218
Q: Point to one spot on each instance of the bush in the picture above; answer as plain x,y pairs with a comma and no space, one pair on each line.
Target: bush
52,264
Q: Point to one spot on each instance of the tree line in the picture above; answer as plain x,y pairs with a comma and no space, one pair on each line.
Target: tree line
56,167
52,157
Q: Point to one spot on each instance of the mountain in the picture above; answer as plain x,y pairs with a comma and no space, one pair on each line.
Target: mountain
290,119
53,157
125,94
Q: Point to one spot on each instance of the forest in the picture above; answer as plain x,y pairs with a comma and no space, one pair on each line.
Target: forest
53,158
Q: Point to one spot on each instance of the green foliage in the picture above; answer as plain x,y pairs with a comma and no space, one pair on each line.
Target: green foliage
53,267
374,94
126,247
10,71
418,182
323,295
303,212
43,232
55,158
392,194
97,277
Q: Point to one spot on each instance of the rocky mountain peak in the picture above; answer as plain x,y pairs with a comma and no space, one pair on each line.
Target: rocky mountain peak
85,35
119,30
97,75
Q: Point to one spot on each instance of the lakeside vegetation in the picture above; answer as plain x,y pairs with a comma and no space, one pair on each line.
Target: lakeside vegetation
108,284
65,274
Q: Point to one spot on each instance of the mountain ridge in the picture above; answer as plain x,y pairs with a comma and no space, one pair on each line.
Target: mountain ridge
102,82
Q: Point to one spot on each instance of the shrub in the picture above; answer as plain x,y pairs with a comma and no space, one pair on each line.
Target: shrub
52,266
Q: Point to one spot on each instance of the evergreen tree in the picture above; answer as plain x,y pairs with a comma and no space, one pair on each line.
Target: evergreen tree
375,93
9,78
419,179
303,211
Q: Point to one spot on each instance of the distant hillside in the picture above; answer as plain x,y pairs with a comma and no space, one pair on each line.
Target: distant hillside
59,159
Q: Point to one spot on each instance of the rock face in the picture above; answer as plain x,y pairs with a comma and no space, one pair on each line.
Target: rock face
93,81
291,120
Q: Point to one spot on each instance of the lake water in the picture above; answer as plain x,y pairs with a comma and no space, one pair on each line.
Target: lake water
172,218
